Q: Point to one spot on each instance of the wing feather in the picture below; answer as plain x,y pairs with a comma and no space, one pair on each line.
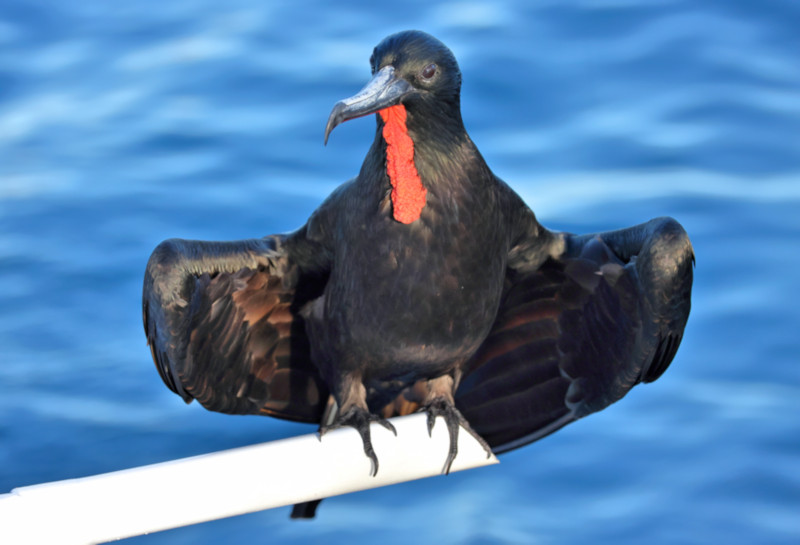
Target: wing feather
576,334
224,327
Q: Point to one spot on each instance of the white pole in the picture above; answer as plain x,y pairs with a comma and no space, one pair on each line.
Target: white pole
211,486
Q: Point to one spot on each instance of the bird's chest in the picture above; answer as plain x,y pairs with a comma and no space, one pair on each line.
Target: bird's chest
423,293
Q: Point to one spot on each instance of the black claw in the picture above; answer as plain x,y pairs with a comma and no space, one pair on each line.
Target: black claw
431,422
454,419
360,419
452,427
386,424
368,450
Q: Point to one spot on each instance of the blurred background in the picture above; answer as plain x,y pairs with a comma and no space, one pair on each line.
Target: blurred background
122,124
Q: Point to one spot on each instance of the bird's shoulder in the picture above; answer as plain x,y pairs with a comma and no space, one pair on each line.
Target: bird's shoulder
530,243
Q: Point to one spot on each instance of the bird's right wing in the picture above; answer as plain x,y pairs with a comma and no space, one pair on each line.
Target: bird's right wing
223,323
577,333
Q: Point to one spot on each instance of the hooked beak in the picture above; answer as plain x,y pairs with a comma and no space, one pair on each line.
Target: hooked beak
383,90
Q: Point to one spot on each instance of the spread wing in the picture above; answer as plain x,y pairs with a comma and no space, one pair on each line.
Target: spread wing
223,324
579,332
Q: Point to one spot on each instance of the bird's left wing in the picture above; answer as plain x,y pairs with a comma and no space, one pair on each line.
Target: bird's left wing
578,332
223,323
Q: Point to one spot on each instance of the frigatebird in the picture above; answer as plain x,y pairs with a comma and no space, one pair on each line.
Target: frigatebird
425,283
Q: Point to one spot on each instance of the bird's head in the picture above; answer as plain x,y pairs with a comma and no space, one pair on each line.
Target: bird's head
415,90
411,68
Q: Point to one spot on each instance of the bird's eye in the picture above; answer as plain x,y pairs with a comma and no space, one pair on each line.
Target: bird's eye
429,71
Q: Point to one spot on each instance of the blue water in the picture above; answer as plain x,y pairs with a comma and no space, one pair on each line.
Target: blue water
122,124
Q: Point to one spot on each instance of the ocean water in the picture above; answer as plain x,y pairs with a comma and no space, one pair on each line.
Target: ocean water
123,125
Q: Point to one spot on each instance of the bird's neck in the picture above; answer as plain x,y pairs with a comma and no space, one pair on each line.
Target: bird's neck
408,194
423,153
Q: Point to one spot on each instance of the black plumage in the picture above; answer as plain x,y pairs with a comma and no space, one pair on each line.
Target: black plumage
473,311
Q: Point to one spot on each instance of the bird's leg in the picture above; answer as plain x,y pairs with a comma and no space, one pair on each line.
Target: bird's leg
352,411
439,402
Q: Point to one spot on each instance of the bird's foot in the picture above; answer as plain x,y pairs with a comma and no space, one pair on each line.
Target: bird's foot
441,406
360,419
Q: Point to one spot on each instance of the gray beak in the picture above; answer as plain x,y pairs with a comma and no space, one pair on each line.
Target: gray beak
383,90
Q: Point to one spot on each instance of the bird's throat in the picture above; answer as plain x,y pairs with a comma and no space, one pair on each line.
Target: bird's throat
408,193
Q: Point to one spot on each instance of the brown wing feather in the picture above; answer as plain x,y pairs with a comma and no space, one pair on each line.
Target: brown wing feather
517,383
577,334
223,324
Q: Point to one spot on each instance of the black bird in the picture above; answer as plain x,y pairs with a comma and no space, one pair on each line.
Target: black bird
424,283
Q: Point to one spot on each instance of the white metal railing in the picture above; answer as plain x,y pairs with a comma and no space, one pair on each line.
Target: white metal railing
151,498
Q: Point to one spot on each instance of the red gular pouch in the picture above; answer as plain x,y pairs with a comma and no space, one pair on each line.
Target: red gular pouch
408,193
